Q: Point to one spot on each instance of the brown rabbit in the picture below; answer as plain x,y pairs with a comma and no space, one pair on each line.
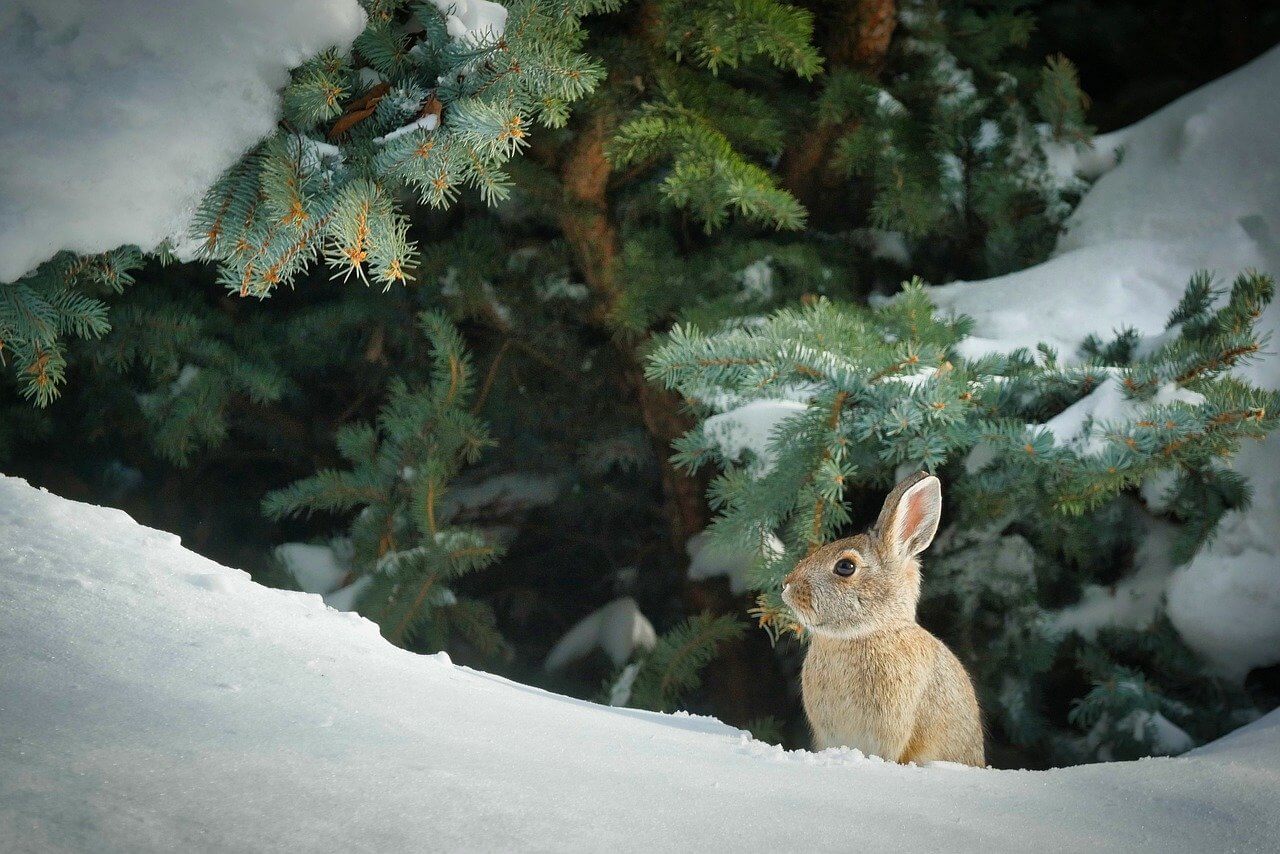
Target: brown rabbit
873,678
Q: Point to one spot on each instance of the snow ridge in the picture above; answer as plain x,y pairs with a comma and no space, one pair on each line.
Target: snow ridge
152,700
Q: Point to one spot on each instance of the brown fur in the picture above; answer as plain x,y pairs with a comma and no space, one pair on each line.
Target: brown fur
873,678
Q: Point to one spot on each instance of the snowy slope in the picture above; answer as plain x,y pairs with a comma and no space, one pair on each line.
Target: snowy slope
1197,187
153,700
119,114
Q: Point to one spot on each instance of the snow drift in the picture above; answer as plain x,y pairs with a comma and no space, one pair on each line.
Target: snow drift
153,700
1197,187
119,114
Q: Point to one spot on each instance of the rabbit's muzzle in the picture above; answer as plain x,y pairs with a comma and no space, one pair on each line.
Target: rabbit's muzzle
797,593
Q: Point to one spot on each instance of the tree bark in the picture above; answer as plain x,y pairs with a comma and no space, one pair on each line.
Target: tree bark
859,35
593,237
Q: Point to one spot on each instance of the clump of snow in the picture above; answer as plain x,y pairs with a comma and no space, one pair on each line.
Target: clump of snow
472,21
887,105
428,122
316,568
618,628
1133,602
620,690
347,597
1198,188
151,700
879,243
561,288
504,495
911,380
1068,162
1226,602
978,457
709,558
1165,737
1157,489
748,429
119,115
1082,426
325,570
756,280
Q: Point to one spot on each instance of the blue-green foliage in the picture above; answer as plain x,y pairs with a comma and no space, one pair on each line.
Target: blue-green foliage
412,109
191,366
61,298
399,472
1034,516
950,143
662,678
705,130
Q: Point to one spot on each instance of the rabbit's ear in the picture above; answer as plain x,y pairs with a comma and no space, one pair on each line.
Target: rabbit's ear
910,515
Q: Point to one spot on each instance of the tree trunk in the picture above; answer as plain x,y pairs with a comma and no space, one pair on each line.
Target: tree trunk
593,237
859,35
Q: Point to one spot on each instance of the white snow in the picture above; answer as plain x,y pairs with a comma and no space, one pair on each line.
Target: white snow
316,568
618,628
1198,187
888,245
502,495
1167,737
151,700
428,122
1134,601
473,21
119,114
756,280
1082,426
709,558
322,569
346,598
748,428
912,380
1072,161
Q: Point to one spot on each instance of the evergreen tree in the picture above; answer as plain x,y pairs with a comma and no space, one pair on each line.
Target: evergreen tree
662,678
60,298
416,107
811,404
405,552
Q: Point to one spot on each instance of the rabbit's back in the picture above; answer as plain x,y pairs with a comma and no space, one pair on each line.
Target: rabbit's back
899,694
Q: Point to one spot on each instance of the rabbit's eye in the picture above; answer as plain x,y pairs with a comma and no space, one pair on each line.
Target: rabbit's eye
844,567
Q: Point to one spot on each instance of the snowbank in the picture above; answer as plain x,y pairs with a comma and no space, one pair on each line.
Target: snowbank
152,700
1198,187
119,114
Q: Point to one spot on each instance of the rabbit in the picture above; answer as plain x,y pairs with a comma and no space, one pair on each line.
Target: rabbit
873,678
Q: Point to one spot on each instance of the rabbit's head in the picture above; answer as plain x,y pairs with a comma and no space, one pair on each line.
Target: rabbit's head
852,587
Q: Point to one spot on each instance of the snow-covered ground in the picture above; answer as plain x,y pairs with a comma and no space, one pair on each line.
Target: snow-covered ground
119,114
153,700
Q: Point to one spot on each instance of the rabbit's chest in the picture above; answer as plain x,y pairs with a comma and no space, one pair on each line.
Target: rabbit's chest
854,692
